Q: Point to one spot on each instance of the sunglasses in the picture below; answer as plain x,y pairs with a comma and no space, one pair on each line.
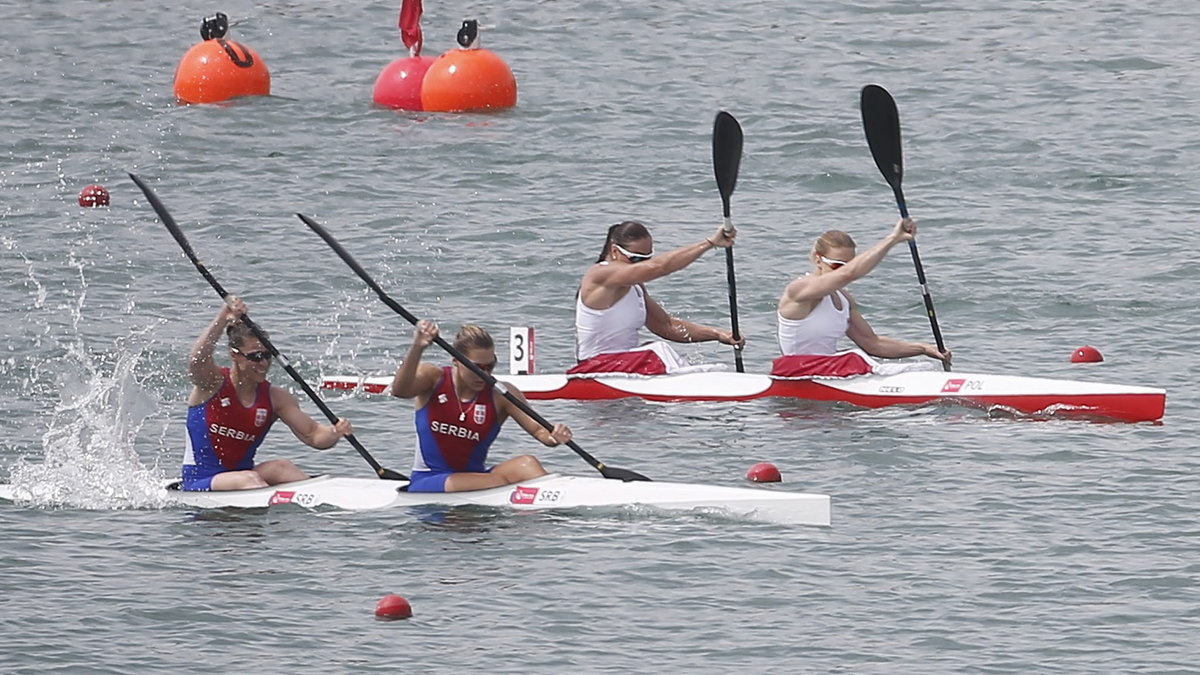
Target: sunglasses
634,257
257,357
833,264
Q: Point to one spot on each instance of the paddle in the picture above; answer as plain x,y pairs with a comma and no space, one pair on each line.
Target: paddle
881,122
169,222
727,157
606,471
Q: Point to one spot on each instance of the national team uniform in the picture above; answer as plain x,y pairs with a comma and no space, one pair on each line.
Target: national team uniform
606,340
223,435
452,436
809,346
817,333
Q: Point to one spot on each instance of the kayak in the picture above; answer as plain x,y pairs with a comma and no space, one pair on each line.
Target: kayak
552,491
1019,395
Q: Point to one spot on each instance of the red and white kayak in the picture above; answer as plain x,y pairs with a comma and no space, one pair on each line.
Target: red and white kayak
552,491
1021,395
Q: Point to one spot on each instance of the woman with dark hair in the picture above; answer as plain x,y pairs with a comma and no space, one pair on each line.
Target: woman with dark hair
458,416
613,304
231,409
816,310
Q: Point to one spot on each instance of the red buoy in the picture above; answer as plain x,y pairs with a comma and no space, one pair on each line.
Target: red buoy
1086,354
392,606
399,84
93,195
219,69
764,472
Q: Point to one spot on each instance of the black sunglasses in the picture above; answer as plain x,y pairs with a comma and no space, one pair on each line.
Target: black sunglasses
256,357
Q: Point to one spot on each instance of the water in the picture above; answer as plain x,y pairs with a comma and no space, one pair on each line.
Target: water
1049,150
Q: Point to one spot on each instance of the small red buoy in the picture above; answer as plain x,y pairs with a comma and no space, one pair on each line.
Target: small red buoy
1086,354
764,472
93,195
392,606
219,69
399,84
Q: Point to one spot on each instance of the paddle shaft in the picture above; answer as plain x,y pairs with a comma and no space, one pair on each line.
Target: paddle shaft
606,471
173,228
727,157
916,258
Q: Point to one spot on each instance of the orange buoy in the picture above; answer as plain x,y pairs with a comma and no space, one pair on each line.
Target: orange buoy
399,84
218,69
468,79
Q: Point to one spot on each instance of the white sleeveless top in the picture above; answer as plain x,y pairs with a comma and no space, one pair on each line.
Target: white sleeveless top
816,333
602,331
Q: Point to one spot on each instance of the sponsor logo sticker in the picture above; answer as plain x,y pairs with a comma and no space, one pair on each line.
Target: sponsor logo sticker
953,386
225,402
523,495
281,497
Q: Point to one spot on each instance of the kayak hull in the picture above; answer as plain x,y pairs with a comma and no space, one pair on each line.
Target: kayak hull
547,492
1019,395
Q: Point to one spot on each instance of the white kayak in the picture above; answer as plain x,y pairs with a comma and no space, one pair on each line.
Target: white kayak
552,491
1021,395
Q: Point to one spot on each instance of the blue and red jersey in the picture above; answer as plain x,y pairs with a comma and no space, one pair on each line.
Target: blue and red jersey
453,435
223,434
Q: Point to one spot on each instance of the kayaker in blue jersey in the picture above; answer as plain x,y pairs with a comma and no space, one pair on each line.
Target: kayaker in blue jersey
613,305
458,416
231,409
816,310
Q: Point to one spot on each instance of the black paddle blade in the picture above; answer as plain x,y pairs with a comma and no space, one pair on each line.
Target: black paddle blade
727,154
881,122
621,474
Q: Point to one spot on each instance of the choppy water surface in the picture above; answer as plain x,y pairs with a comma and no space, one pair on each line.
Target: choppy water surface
1049,152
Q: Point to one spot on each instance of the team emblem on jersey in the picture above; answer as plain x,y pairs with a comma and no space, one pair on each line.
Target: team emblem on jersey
480,414
225,402
260,417
442,398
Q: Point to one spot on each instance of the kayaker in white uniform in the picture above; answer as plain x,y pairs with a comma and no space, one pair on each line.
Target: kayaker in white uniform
613,304
816,310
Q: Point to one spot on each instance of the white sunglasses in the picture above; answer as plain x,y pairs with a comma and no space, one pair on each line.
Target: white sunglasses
833,264
634,257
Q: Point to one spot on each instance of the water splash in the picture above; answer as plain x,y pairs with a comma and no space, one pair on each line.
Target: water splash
88,457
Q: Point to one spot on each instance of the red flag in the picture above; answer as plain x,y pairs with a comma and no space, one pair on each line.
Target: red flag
410,25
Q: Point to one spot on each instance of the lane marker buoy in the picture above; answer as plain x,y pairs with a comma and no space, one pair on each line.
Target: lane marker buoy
93,195
392,606
764,472
1086,354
